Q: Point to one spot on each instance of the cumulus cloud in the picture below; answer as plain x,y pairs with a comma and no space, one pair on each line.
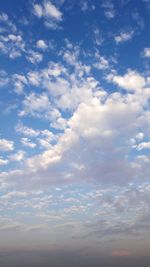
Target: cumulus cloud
34,57
143,145
33,104
109,10
123,37
147,52
130,81
11,39
4,80
26,142
49,12
41,44
19,156
3,161
6,145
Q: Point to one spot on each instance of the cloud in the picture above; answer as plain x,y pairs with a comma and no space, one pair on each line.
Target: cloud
11,39
49,12
6,145
123,37
19,156
4,79
34,57
131,81
33,104
109,10
38,10
143,145
101,62
87,6
41,44
20,128
3,161
19,81
147,52
27,142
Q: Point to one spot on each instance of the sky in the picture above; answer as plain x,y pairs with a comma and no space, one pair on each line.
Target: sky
74,133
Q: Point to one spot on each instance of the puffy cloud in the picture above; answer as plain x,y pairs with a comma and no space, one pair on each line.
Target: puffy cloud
27,142
7,26
52,11
41,44
34,57
38,10
20,128
6,145
19,156
143,145
3,161
130,81
109,10
123,37
33,104
101,62
19,81
11,40
147,52
33,78
3,78
49,12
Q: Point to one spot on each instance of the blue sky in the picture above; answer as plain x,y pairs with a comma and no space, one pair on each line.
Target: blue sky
75,126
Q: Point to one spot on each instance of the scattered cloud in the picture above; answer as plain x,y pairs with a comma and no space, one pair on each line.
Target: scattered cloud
41,44
109,10
6,145
49,12
123,37
131,81
147,52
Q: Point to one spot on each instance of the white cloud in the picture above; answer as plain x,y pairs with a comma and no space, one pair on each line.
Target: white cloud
124,36
19,156
27,142
38,10
3,78
19,81
87,6
101,62
131,81
3,161
34,78
139,136
143,145
41,44
109,10
49,12
8,25
6,145
34,57
52,11
98,36
20,128
34,104
11,39
147,52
